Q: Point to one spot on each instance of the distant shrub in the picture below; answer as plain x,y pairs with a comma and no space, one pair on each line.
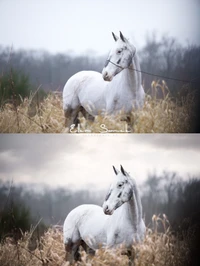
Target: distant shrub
13,86
15,219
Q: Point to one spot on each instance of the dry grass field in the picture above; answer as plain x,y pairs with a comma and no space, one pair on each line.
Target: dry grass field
158,249
157,116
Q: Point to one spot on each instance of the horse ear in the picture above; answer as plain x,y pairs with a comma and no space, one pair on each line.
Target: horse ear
122,37
123,171
115,170
115,37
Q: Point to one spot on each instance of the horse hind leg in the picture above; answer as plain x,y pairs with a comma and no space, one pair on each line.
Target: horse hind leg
68,251
76,254
72,251
71,116
87,249
86,114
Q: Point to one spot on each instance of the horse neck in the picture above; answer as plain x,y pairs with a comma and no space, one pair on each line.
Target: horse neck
136,66
131,77
134,207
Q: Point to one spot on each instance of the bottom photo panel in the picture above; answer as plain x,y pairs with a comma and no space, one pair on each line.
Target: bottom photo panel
99,199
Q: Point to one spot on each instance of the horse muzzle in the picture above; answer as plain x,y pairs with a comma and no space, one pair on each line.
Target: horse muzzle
106,76
107,211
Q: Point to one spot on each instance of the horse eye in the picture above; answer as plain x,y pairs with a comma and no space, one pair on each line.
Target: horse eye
119,51
120,185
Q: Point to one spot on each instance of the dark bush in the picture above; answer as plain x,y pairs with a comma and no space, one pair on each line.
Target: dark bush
15,219
13,86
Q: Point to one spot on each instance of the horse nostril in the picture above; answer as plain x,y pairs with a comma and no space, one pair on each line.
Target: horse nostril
106,210
106,76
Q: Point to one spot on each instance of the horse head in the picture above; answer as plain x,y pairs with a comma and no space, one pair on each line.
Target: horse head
120,57
120,192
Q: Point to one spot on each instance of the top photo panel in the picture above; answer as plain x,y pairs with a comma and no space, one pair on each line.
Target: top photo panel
99,67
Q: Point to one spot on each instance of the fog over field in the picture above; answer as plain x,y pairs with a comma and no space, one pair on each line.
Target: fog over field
77,161
85,26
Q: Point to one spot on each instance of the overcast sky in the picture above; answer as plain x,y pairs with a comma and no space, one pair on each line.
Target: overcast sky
85,161
83,25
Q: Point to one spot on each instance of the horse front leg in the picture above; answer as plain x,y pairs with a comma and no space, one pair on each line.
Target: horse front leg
130,253
128,118
129,121
131,256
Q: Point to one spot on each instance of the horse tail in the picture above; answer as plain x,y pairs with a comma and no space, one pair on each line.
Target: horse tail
71,232
71,103
70,93
70,227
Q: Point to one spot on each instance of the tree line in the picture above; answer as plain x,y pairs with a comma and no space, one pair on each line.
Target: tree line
166,193
162,56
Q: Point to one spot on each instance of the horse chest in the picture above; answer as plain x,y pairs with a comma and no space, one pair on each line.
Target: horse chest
119,232
119,236
119,102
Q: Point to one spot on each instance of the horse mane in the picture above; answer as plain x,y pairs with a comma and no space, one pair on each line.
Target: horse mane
137,196
135,63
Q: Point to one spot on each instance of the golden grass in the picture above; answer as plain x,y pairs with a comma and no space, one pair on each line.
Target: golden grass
157,116
156,249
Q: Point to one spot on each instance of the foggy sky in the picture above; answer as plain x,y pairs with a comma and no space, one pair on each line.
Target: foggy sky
85,161
85,25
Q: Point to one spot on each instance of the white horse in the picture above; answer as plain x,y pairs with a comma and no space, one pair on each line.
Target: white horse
89,227
120,88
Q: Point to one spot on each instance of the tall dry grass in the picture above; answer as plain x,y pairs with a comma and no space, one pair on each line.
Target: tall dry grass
157,116
157,249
